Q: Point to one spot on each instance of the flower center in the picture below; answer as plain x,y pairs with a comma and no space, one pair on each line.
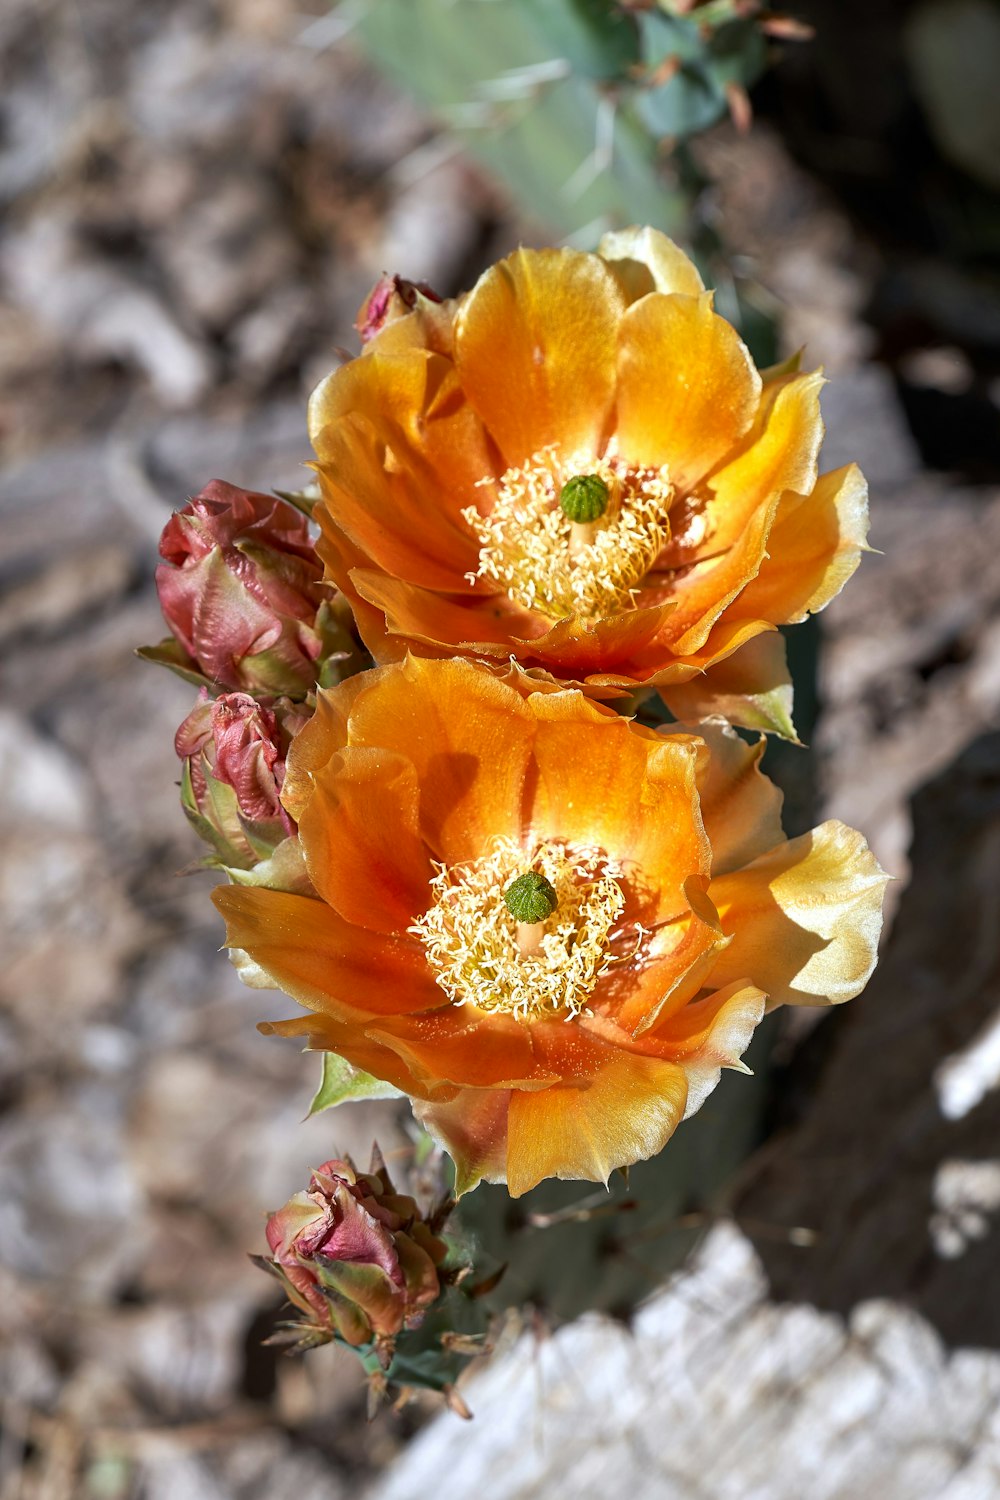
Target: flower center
576,558
471,935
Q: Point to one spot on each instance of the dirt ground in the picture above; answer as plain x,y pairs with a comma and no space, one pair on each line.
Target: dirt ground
196,198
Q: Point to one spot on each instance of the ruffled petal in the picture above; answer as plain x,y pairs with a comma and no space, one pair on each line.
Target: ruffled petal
778,454
361,839
709,1035
645,260
741,807
687,387
472,1128
626,1113
535,348
814,547
490,625
323,962
348,1040
751,687
466,1047
675,963
318,742
340,559
805,918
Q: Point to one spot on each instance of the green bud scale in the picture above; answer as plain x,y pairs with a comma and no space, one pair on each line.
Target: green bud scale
584,498
530,898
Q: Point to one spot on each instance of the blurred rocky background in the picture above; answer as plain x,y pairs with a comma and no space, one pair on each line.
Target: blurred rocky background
196,195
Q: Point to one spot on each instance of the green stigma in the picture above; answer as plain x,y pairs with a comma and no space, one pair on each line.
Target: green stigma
584,498
530,898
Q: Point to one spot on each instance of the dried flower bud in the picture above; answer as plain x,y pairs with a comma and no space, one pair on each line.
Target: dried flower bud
240,587
356,1258
234,749
390,298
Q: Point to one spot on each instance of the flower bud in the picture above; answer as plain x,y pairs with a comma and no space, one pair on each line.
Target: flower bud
356,1258
234,749
240,587
390,298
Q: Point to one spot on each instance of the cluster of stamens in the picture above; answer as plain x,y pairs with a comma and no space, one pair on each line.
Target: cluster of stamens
545,562
471,936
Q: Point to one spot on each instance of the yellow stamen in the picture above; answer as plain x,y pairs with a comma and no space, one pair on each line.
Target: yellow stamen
546,561
473,941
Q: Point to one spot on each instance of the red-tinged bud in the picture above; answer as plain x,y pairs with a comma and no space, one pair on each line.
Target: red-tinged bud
390,298
356,1258
241,589
234,749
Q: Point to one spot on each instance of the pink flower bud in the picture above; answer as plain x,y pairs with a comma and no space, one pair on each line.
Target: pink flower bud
356,1258
240,587
390,298
234,751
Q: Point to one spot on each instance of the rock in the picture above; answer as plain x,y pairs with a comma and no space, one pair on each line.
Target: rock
717,1391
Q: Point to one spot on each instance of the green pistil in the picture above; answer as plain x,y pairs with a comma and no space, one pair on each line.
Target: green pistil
530,898
584,498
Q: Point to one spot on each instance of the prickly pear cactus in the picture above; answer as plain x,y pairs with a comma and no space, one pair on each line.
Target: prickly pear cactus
575,103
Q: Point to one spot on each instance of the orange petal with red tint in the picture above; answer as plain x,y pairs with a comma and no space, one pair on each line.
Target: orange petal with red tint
322,961
358,1047
469,736
360,834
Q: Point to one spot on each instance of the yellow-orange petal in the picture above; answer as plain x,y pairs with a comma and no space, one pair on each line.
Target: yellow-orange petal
361,837
626,642
469,736
318,742
535,345
490,624
740,806
709,1035
340,559
380,500
472,1128
778,454
805,918
465,1047
687,387
676,961
645,260
597,782
357,1046
323,962
814,547
751,687
626,1113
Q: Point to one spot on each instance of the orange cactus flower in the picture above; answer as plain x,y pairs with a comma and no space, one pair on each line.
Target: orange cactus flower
570,1037
578,465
